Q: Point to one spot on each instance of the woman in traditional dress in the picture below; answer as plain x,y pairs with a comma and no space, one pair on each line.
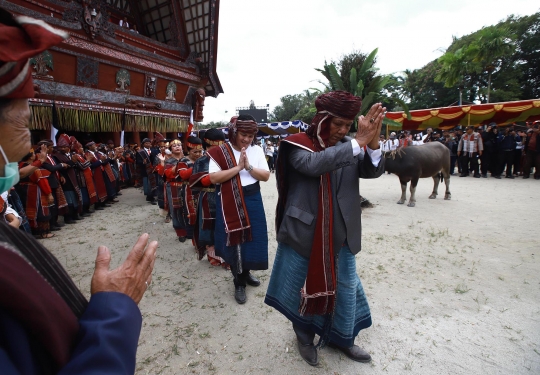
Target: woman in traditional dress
206,208
84,176
35,192
241,237
173,185
185,214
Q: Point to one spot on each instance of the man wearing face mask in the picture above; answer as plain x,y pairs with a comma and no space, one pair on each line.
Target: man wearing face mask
46,324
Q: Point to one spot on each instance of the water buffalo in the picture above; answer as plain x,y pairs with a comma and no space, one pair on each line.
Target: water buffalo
414,162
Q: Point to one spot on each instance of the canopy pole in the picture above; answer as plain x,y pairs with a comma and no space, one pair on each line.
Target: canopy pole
469,119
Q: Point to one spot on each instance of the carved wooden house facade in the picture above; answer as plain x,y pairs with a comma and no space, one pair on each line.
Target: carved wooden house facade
134,65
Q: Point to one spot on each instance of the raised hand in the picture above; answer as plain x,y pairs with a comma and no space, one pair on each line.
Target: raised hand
132,277
42,154
369,126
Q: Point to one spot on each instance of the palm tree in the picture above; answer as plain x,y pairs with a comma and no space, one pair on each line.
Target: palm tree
455,66
492,46
356,85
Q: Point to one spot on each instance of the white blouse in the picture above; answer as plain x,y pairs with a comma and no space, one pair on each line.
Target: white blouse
255,157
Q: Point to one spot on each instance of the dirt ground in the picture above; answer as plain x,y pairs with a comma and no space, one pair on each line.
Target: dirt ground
453,286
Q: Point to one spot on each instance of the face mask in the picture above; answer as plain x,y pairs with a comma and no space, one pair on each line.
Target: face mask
11,174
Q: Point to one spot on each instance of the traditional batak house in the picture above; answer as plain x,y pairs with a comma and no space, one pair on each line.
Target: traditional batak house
140,66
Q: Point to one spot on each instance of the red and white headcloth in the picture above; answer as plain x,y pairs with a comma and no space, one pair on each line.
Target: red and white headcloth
21,38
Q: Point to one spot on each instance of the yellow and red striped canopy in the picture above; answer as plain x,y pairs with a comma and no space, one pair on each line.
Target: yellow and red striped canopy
476,114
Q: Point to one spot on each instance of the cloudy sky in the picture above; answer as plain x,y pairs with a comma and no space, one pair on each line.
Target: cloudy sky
269,49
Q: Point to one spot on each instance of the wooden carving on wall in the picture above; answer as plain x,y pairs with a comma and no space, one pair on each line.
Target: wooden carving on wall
87,72
171,91
93,16
123,80
139,104
150,87
41,62
198,103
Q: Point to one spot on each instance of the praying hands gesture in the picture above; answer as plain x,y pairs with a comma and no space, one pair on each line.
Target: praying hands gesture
369,127
243,163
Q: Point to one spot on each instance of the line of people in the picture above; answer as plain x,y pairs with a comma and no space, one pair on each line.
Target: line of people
210,191
66,180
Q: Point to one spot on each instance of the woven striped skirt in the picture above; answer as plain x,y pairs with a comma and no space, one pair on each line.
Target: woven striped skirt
351,313
254,253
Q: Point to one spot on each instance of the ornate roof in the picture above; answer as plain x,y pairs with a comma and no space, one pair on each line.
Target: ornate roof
191,25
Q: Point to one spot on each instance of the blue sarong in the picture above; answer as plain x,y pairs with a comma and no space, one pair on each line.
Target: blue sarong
254,253
71,198
351,312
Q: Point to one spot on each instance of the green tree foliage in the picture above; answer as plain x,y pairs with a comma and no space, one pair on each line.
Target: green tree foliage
458,68
496,63
295,107
526,59
493,46
213,124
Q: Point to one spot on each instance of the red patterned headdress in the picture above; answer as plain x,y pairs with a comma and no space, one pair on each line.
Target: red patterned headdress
75,145
340,104
194,143
244,124
63,141
158,137
20,39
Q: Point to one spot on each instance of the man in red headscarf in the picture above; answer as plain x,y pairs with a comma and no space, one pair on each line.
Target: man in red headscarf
46,324
314,281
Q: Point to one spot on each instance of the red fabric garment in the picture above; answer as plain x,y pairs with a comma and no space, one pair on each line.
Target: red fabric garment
42,181
88,177
160,169
22,38
3,208
36,163
532,142
35,197
185,173
37,306
318,293
145,155
61,201
187,194
170,172
205,181
98,179
237,224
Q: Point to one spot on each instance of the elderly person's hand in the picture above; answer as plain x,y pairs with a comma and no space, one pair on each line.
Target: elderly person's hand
369,127
132,277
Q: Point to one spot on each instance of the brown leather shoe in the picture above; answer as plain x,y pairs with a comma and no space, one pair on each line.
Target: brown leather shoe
307,350
355,353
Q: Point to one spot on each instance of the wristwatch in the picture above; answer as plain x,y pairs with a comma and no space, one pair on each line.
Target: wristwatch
250,168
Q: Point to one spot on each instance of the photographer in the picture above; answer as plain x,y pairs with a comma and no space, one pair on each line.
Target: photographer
429,136
404,140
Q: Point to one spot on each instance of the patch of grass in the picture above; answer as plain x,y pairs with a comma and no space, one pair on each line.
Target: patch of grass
461,289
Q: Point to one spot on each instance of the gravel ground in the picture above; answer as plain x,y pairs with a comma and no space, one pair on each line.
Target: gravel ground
453,287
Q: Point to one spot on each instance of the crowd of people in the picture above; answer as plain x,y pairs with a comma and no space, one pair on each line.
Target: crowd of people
513,150
213,198
68,180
